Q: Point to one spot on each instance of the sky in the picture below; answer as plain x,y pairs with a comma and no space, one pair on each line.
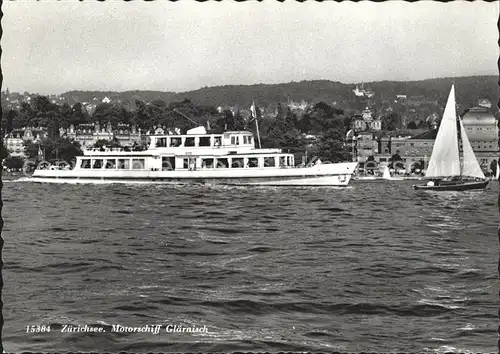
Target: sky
51,47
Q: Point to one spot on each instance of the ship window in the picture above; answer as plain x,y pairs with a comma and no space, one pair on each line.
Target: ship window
85,163
97,164
237,162
204,141
110,164
207,163
282,161
161,142
185,163
250,140
269,161
189,142
138,164
253,162
217,141
222,163
175,142
244,139
233,140
166,164
123,164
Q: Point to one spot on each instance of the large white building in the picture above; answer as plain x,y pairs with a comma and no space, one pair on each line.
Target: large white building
482,130
88,134
15,141
366,122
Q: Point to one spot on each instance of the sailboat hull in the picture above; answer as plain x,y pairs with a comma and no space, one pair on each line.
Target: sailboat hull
459,186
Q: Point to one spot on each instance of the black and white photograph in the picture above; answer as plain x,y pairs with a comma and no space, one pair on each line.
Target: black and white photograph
255,176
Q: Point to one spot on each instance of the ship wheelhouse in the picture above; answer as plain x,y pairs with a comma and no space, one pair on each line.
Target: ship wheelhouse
199,139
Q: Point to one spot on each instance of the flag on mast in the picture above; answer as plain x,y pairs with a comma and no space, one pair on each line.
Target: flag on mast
253,110
254,117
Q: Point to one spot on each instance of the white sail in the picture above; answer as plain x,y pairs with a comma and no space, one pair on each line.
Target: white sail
470,166
445,159
387,173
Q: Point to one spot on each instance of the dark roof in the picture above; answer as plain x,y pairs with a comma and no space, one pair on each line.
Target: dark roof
430,135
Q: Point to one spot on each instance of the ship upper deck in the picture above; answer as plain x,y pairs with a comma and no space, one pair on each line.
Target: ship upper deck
196,141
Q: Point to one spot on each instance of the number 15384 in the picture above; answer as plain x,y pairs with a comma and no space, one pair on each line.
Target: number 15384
37,329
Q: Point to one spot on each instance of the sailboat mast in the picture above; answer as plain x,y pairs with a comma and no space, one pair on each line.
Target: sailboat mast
460,155
457,121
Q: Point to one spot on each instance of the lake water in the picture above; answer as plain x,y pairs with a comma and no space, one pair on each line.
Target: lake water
375,266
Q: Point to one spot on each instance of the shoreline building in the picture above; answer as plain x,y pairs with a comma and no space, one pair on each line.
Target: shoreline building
482,130
16,139
88,134
366,122
414,150
481,127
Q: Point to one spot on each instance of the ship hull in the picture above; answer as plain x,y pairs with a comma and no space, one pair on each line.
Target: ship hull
320,175
465,186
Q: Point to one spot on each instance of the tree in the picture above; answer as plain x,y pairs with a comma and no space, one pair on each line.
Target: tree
42,104
66,114
412,125
8,117
4,153
396,157
331,146
31,149
14,162
58,148
46,114
79,114
323,117
304,124
65,149
283,133
239,122
225,120
24,118
114,114
141,116
493,167
291,118
391,121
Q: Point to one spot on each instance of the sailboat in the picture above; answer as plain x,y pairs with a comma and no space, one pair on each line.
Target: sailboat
446,171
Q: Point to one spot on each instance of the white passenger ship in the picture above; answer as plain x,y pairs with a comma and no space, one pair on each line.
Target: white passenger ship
198,157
